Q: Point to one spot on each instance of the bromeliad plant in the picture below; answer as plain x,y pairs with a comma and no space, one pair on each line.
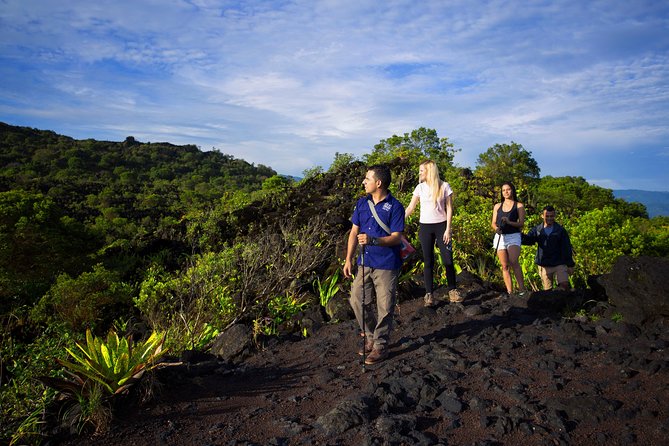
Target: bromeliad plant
117,364
99,371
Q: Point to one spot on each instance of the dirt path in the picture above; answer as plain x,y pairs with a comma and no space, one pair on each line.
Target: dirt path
488,371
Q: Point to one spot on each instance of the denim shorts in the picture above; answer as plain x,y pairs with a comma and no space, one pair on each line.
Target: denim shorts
506,241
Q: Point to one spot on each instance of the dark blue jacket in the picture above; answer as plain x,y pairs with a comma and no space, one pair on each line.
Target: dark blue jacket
554,249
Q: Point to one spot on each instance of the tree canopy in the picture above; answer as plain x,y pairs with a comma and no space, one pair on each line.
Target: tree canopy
508,162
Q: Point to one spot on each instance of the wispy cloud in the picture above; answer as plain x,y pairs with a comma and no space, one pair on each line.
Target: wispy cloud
289,83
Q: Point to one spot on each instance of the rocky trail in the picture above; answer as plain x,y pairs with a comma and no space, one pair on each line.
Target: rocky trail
491,370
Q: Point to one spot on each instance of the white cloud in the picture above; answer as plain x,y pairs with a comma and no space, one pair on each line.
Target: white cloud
290,83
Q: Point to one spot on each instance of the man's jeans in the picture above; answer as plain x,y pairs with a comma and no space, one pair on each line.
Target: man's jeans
381,283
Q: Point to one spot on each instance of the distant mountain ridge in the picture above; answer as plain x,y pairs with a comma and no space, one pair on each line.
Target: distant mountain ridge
657,203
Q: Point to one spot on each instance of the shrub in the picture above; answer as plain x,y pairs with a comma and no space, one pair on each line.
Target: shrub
87,301
600,236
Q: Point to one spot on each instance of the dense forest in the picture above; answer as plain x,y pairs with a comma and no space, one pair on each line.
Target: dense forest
131,249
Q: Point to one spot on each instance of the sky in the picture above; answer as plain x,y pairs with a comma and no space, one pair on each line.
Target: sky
582,85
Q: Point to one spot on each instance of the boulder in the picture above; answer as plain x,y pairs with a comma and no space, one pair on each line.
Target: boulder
637,287
555,301
467,278
234,344
338,308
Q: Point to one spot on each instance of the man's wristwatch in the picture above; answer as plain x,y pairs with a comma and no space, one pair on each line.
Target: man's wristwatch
374,241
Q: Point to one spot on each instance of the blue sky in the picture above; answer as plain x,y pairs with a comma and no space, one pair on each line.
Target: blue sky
583,85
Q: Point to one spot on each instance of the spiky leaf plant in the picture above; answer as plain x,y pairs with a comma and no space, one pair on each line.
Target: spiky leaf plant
116,364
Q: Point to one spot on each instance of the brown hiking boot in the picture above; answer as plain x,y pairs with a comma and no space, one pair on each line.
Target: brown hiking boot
369,346
429,300
377,355
455,295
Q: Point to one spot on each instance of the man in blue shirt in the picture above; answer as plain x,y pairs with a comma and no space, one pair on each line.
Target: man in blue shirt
382,261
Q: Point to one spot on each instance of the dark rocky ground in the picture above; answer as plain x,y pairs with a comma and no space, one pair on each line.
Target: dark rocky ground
489,371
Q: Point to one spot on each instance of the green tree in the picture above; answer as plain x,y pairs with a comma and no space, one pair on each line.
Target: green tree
416,146
312,172
276,183
341,160
37,242
572,195
508,162
412,149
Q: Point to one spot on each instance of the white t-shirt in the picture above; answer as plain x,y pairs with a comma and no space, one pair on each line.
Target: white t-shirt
428,213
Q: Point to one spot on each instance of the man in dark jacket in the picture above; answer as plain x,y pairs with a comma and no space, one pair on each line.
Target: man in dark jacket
554,252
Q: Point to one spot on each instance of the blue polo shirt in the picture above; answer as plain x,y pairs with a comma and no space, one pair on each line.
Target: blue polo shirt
391,212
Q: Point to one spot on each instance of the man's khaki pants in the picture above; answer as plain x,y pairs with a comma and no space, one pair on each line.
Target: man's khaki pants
382,284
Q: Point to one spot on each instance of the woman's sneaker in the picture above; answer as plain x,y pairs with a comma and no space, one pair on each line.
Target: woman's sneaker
429,300
455,295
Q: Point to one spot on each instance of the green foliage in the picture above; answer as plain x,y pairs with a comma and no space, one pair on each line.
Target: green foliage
115,365
191,304
572,196
21,401
312,172
90,300
341,161
30,430
508,162
413,148
277,183
328,288
531,275
600,236
37,241
472,240
280,313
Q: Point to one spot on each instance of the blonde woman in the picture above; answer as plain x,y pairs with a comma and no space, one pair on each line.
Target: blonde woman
436,212
508,219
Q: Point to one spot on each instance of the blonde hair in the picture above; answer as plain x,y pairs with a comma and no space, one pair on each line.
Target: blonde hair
433,181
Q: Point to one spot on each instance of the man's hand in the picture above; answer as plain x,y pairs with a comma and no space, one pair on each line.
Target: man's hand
348,269
364,239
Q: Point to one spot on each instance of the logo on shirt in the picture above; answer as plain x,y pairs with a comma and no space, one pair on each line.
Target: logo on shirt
387,207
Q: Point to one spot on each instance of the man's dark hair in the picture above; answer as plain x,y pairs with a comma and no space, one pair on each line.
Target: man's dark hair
548,208
382,173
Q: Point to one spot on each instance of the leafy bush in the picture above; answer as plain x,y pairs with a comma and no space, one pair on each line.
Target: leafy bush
87,301
279,318
189,305
472,242
237,283
600,236
21,401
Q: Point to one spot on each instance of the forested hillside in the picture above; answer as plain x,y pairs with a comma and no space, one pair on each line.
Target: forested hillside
171,245
78,200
